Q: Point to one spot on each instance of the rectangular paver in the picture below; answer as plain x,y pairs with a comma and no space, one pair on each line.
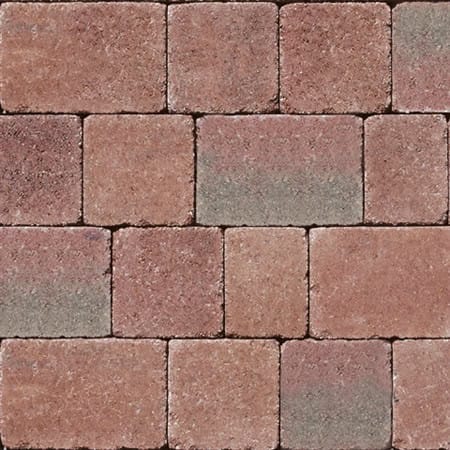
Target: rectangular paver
279,170
93,393
54,282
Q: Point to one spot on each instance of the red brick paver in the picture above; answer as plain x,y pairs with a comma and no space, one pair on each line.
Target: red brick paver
222,57
421,56
279,170
406,169
71,57
40,170
54,282
380,282
335,57
138,169
83,393
265,282
223,394
422,394
167,282
335,394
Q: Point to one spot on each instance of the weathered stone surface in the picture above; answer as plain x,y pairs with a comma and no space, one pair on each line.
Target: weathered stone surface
279,170
223,394
222,57
405,159
138,169
422,394
40,170
91,393
386,282
54,282
335,394
335,57
71,57
265,282
167,282
421,56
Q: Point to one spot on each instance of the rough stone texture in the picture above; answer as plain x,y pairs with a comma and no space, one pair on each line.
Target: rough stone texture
279,170
406,169
265,282
83,393
138,169
421,57
40,170
335,395
54,282
422,394
167,282
386,282
70,57
223,394
335,57
223,57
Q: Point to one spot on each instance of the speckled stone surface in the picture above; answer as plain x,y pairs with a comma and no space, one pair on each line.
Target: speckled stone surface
75,57
40,169
167,282
138,169
335,58
335,395
106,394
405,158
223,394
54,282
222,57
279,170
421,57
380,282
265,282
422,394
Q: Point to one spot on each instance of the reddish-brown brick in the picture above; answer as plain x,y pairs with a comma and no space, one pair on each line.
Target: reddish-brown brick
54,282
279,170
69,57
223,394
76,393
384,282
335,57
422,394
222,57
40,170
421,56
265,282
138,169
167,282
406,169
335,395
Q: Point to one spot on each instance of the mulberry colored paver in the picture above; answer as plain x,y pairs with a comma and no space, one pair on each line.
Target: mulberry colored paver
222,57
421,57
167,282
335,394
335,57
40,170
265,282
223,394
384,282
75,393
76,57
279,170
422,394
54,282
406,169
138,169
